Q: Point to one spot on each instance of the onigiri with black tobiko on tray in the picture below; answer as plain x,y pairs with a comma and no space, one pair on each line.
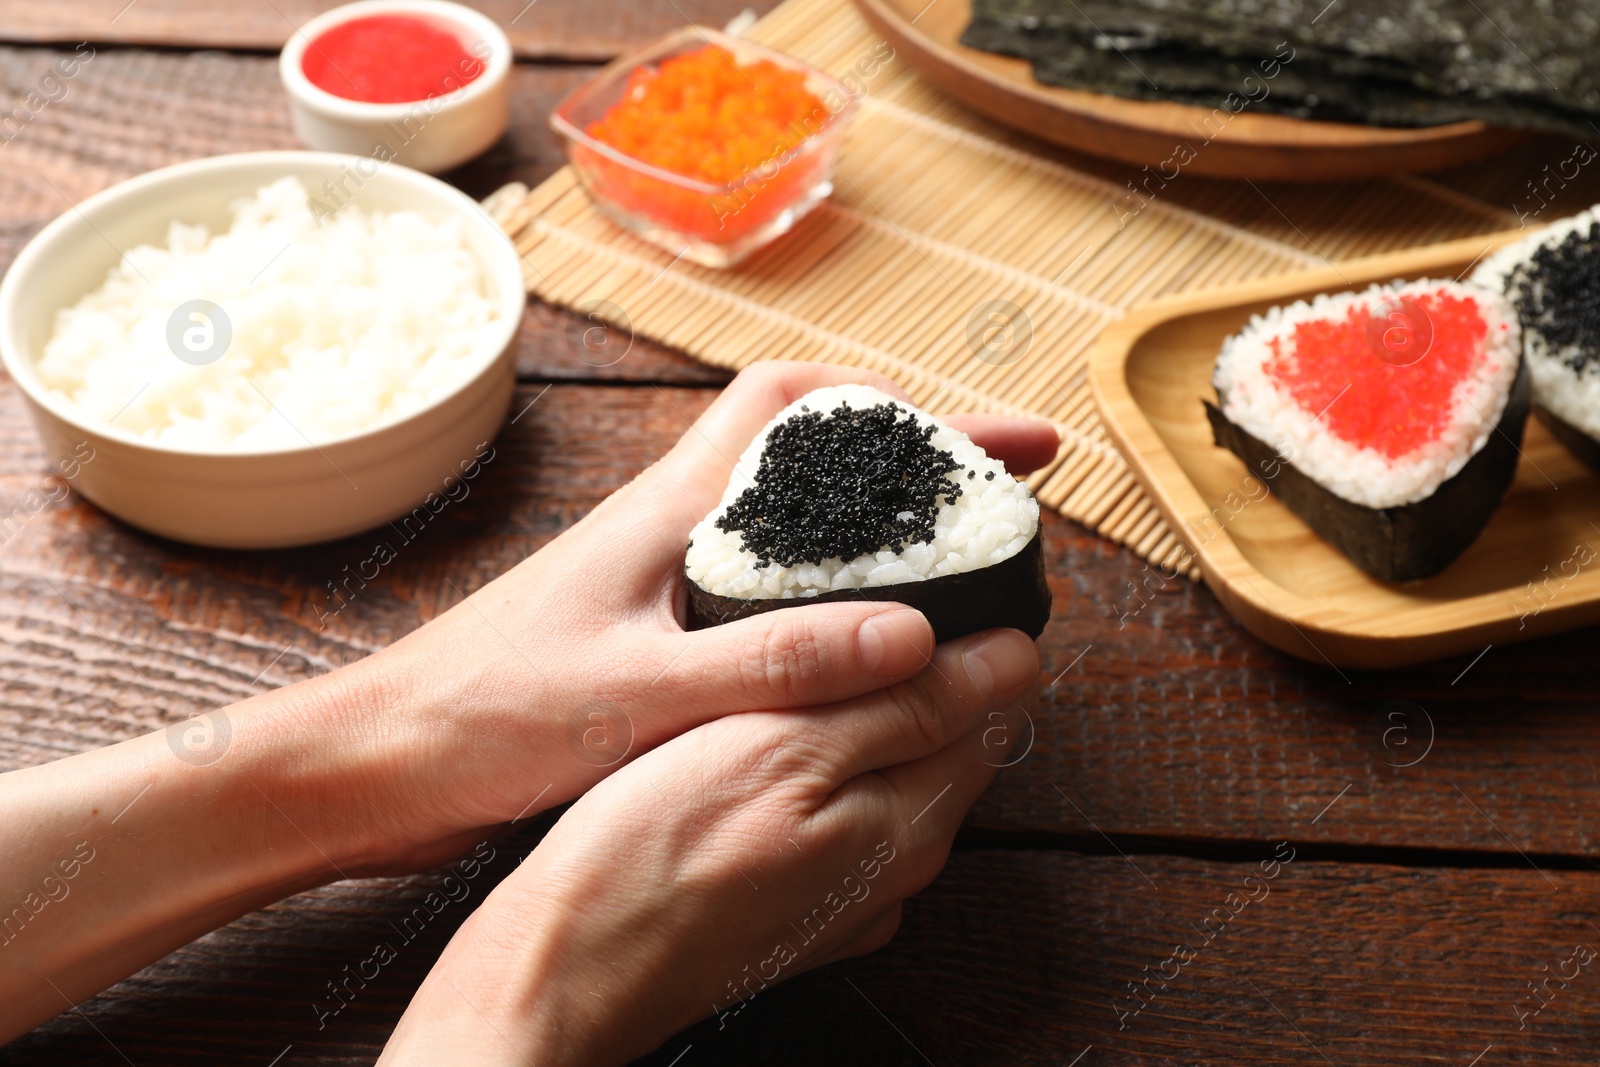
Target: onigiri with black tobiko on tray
851,494
1393,417
1552,279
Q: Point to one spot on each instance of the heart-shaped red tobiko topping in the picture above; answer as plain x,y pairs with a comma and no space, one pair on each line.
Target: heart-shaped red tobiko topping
1384,376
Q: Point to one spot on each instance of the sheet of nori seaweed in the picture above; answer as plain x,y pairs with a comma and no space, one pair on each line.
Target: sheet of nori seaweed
1401,543
1419,62
1298,91
1011,593
1439,45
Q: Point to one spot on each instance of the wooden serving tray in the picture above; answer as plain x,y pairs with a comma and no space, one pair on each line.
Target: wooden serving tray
1250,145
1534,570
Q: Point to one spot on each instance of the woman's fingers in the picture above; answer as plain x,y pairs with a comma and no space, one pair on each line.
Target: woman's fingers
794,657
964,767
925,800
919,805
1024,445
964,681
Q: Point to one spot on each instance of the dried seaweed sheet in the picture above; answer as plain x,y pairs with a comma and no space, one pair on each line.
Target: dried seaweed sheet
1517,63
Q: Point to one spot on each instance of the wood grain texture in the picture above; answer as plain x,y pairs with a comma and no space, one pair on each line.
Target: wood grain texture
547,29
1172,724
177,629
1165,728
1008,958
1176,725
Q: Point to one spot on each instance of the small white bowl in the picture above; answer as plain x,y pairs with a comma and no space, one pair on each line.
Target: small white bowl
429,135
268,498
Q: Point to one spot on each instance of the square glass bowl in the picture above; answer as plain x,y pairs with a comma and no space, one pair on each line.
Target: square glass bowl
713,225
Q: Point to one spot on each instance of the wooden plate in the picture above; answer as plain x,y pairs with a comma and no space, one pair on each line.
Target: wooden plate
1247,145
1534,570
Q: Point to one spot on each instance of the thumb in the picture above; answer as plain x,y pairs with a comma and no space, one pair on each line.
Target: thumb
796,657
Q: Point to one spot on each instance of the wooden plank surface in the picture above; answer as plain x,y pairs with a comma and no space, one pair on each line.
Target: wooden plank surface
1167,721
1008,958
541,29
1419,906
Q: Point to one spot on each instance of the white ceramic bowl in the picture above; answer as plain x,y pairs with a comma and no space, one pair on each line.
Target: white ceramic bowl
429,135
259,499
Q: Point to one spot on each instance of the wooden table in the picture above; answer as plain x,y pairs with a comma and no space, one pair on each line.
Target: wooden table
1442,861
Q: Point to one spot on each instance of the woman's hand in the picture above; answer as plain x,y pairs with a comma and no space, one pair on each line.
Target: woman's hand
523,696
746,851
547,679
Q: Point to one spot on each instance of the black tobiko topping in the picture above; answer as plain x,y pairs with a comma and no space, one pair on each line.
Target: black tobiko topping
845,484
1558,296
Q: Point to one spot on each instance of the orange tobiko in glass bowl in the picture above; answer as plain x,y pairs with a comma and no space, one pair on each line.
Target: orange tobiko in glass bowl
706,145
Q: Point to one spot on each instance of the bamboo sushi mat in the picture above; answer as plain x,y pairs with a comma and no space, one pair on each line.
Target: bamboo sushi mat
936,211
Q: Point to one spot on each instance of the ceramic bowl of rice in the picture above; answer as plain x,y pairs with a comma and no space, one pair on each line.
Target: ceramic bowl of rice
267,349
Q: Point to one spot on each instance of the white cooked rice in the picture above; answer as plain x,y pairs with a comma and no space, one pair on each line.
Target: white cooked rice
1572,395
990,521
367,318
1254,401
